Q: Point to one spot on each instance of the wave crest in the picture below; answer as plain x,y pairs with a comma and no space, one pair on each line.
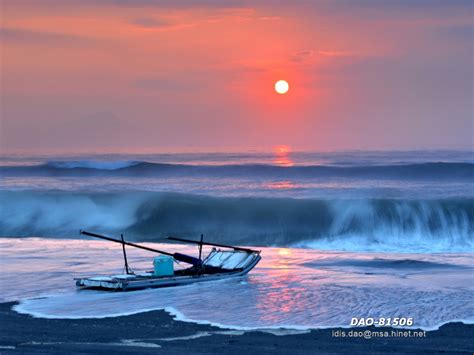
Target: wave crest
370,225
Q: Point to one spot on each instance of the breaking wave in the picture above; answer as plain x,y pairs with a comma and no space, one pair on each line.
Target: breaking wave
430,171
445,225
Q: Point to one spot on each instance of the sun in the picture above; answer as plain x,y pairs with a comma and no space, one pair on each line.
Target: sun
281,86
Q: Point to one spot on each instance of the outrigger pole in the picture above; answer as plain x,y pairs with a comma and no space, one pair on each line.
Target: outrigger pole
178,256
213,244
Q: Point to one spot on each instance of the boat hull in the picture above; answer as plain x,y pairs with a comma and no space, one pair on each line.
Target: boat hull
143,281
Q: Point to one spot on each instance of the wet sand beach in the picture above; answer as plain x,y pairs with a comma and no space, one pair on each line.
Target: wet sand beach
157,332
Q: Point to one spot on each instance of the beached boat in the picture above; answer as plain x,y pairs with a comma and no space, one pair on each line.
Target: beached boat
224,261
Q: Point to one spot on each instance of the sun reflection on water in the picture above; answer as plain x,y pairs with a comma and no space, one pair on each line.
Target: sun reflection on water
281,185
282,156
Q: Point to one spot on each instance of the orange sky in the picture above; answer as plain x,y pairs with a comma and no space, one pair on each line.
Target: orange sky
150,74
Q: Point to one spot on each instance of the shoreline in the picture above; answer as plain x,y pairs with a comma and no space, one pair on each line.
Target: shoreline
179,317
157,331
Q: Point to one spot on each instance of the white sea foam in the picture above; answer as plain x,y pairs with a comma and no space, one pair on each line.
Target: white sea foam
290,289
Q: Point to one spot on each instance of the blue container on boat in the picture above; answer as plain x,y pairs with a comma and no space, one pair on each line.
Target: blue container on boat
163,266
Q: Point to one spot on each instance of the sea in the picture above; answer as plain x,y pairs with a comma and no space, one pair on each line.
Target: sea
343,235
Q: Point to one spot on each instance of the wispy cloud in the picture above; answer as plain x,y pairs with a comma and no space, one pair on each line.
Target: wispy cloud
150,22
9,34
301,56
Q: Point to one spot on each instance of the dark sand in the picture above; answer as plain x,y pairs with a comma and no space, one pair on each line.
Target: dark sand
153,332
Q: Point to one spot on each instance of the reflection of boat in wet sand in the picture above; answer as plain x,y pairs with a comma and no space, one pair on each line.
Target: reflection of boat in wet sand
224,261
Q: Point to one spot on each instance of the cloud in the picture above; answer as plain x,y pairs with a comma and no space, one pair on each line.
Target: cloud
301,56
160,25
33,36
305,53
149,22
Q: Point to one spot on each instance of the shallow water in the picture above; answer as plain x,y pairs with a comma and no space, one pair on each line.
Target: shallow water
290,288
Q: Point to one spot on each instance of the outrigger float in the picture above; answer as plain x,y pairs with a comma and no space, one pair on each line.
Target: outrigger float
220,264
